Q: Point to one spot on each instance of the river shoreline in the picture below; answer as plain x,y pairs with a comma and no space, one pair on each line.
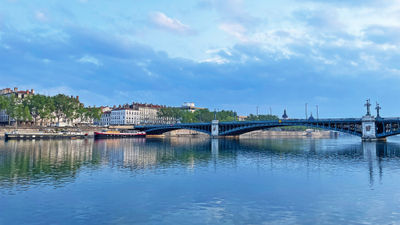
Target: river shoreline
178,133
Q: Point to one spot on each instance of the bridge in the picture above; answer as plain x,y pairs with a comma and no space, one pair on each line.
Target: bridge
369,128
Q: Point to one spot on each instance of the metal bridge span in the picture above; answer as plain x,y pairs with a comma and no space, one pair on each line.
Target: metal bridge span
367,127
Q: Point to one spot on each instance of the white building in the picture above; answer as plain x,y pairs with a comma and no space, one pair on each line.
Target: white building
135,114
190,106
105,119
124,116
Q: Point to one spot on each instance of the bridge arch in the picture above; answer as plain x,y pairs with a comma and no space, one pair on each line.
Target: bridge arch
249,128
388,134
349,126
162,130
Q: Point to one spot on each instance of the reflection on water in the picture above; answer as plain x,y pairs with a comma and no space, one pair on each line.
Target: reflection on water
25,162
162,181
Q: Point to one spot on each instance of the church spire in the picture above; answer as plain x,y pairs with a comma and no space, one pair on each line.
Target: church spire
284,116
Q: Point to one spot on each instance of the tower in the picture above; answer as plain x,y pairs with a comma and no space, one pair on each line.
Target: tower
285,116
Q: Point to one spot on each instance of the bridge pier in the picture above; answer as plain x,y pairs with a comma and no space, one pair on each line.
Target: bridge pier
369,129
215,129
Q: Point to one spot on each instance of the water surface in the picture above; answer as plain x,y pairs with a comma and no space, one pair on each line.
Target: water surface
200,181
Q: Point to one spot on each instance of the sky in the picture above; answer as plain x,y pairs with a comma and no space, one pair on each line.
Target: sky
220,54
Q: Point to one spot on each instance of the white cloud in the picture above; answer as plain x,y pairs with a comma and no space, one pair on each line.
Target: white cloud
216,59
370,61
235,29
218,50
215,56
40,16
90,59
173,25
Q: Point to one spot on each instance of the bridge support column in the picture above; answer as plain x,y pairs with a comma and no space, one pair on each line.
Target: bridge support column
368,128
214,129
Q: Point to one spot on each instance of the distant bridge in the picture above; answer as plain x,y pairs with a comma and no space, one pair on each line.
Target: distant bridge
368,127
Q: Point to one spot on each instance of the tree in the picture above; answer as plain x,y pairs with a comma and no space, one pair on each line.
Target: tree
3,103
40,107
90,113
60,102
18,111
201,115
11,108
94,113
252,117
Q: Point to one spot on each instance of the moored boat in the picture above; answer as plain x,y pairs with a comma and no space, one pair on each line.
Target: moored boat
118,134
40,136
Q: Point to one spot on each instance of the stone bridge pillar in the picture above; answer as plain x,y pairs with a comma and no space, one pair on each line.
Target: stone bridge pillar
368,128
214,128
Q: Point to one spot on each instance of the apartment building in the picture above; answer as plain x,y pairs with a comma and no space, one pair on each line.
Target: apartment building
133,114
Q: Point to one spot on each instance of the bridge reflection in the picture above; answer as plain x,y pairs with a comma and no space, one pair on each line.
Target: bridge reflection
56,163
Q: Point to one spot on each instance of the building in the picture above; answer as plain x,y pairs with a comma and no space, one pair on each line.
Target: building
242,118
105,119
190,106
134,114
8,92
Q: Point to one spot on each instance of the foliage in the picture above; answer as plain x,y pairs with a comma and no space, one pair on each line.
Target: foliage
47,108
198,116
252,117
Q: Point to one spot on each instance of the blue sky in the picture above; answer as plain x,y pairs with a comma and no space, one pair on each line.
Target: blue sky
225,54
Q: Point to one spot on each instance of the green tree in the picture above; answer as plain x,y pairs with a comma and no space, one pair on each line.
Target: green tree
11,108
252,117
93,113
18,111
36,105
3,103
201,115
60,102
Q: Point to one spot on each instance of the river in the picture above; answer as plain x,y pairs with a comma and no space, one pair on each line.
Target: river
200,181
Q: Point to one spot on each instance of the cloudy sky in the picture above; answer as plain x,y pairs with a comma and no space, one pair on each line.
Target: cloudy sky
225,54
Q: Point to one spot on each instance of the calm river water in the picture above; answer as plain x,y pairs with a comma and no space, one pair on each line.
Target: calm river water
200,181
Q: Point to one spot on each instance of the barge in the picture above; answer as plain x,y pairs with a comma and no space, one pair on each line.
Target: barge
117,134
40,136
